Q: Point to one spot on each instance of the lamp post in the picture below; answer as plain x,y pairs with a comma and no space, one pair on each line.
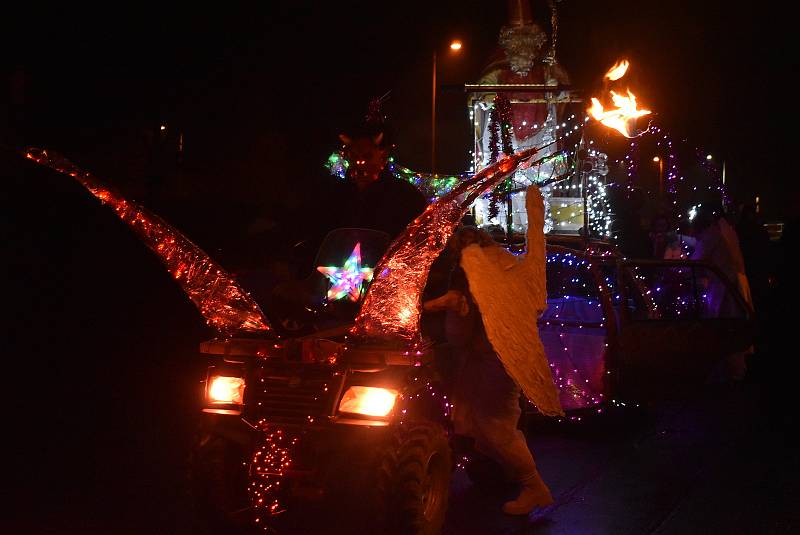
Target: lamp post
455,46
660,163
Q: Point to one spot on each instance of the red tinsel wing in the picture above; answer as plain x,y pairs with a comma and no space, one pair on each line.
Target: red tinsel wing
391,307
215,293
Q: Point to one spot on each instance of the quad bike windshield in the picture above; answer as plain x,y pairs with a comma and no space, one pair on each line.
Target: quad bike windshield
331,295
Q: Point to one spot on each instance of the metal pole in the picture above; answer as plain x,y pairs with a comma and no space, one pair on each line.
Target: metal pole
723,172
509,217
513,88
433,117
584,188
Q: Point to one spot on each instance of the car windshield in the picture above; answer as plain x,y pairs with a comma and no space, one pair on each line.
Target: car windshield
342,272
344,263
332,290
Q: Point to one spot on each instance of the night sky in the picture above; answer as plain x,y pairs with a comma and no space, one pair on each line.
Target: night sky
260,90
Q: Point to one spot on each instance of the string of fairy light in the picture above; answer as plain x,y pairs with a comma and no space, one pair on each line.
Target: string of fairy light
599,206
431,185
268,468
600,214
712,169
598,203
563,160
675,180
275,455
434,185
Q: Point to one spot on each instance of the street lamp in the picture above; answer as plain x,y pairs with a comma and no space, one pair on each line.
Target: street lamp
660,163
455,47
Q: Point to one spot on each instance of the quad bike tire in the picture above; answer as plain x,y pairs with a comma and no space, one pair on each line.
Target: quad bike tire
415,481
218,486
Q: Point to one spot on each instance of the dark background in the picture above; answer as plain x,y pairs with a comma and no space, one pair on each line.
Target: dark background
102,366
259,90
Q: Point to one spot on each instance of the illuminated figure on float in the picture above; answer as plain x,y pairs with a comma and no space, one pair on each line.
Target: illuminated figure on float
520,101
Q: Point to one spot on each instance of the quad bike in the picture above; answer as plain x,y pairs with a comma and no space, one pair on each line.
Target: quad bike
361,421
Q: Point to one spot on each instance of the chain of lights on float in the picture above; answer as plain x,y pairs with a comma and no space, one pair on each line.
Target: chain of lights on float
673,177
434,186
599,214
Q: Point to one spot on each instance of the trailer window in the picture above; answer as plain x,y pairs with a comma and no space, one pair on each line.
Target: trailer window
626,291
683,291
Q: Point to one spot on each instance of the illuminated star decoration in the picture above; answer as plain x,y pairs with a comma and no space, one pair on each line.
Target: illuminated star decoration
348,279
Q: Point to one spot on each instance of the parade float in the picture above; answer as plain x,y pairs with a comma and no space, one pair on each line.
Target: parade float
523,99
353,411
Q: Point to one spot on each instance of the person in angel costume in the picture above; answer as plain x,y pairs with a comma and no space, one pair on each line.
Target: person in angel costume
492,305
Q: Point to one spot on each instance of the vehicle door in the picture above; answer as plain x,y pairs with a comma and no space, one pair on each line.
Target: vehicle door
679,321
574,330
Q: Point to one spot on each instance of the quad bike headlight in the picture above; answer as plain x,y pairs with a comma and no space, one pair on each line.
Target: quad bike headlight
223,389
368,401
224,394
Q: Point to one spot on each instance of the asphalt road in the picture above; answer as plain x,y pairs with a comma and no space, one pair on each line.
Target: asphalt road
713,464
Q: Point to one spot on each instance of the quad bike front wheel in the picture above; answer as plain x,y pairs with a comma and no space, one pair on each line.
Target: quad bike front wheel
415,481
218,485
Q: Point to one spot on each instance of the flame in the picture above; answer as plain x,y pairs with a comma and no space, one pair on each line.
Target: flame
622,117
618,70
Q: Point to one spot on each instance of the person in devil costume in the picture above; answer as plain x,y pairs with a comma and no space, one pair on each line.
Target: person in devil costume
373,198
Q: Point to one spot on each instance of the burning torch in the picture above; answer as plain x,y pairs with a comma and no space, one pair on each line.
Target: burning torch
621,117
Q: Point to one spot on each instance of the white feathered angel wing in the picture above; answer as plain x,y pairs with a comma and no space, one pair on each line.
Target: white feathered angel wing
511,293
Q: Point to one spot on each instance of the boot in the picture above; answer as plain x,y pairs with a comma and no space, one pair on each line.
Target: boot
534,494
